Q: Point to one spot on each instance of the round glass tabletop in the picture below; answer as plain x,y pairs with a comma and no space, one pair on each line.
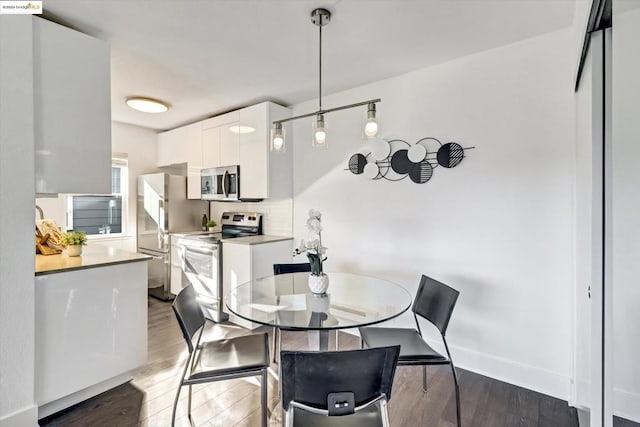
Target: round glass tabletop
285,301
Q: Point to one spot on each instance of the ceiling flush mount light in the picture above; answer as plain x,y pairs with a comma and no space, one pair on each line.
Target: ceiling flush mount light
320,18
147,105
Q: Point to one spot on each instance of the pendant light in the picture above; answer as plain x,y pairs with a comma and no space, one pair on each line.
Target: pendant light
321,17
371,125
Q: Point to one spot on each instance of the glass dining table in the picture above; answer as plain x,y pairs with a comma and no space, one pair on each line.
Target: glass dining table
285,301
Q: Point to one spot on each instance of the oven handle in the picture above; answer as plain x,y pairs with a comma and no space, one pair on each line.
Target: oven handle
213,249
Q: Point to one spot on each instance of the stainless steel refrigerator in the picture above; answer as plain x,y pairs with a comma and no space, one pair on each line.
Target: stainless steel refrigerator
162,209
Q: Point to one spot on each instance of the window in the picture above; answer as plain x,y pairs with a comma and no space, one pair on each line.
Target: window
101,214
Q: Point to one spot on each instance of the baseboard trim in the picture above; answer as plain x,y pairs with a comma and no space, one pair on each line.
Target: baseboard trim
519,374
26,417
50,408
626,405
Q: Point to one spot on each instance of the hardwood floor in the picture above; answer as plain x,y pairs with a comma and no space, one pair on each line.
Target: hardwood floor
147,400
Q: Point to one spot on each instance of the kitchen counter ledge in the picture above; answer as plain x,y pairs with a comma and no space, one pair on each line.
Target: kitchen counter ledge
93,255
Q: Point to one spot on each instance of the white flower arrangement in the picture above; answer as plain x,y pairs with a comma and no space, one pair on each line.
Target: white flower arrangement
313,248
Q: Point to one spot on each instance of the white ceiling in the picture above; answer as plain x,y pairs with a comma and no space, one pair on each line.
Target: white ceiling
205,57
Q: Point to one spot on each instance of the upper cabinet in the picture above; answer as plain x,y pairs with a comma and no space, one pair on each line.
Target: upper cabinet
72,93
183,145
220,140
263,174
241,138
171,147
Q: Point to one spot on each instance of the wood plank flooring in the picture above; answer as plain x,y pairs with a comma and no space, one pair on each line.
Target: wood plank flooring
147,400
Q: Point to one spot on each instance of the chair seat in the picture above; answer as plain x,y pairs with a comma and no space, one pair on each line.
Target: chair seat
413,349
368,417
231,356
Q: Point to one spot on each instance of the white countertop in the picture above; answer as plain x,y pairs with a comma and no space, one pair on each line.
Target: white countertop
256,240
92,256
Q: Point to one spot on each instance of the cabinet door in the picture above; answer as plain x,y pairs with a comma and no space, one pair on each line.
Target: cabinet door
229,141
194,159
211,148
171,147
72,99
253,153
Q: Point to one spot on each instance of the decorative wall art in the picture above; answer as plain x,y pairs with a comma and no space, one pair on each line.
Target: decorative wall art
396,159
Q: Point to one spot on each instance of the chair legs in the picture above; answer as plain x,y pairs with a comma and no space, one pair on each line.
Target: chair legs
424,378
263,397
337,346
455,383
276,338
189,404
175,405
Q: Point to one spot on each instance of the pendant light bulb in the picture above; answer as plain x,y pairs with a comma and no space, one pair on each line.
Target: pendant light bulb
371,125
277,138
319,132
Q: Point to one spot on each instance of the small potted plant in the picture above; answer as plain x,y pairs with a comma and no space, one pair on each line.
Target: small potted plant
211,224
74,241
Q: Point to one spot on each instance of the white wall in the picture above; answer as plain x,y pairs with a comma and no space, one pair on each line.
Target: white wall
140,145
17,406
625,205
499,227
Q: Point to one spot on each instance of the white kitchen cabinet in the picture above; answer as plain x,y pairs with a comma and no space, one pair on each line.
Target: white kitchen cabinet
263,174
244,262
229,144
72,99
183,145
194,159
241,137
219,143
171,147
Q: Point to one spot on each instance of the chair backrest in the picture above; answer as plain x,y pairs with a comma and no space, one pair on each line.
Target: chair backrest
435,302
189,314
308,376
291,268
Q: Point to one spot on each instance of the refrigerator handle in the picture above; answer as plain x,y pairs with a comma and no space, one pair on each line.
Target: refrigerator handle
160,222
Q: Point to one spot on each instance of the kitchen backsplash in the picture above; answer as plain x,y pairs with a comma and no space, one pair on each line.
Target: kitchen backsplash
277,219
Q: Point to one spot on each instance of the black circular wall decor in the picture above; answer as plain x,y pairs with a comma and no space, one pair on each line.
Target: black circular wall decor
450,155
357,163
400,162
447,155
421,172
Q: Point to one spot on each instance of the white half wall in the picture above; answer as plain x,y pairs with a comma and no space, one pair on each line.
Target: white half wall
17,406
499,227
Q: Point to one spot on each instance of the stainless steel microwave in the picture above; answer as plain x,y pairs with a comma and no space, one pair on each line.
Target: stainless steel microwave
221,183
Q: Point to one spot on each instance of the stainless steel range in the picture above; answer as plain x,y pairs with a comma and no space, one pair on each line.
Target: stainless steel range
201,256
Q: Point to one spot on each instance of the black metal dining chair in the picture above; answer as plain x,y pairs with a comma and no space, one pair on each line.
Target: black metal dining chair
338,388
226,359
285,269
434,302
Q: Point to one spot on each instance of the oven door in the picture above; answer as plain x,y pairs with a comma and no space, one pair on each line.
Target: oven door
201,263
